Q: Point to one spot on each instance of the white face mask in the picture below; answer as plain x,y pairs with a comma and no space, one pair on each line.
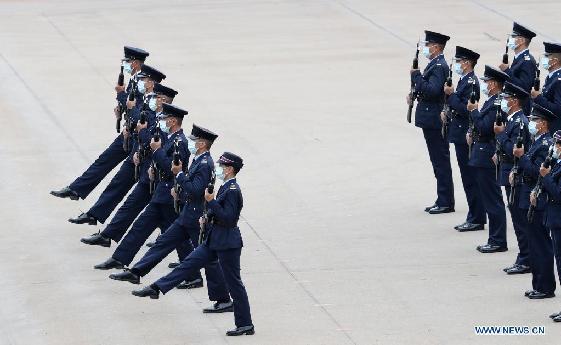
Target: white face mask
545,62
512,43
141,87
533,127
152,104
504,106
192,146
458,68
556,153
426,52
127,67
484,87
219,171
164,126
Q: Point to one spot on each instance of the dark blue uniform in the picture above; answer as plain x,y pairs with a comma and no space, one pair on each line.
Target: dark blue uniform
552,217
481,160
123,181
550,98
186,227
140,196
159,212
109,159
223,242
507,140
522,72
541,250
459,125
430,96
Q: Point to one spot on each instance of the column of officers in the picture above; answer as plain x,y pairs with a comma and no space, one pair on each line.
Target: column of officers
511,140
166,193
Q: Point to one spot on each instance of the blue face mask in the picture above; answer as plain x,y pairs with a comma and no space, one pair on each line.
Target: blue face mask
458,68
533,128
152,104
164,126
484,88
504,106
512,43
426,52
545,63
141,86
191,145
127,67
219,171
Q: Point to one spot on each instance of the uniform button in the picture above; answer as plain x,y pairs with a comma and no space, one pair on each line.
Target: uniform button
427,109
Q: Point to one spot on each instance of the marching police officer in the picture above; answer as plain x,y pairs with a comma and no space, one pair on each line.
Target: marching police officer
522,71
483,149
430,96
550,97
223,242
123,181
114,154
468,87
552,217
142,193
160,211
539,241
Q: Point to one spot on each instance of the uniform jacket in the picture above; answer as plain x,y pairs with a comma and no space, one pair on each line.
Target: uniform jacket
430,93
550,98
552,186
530,165
459,121
522,71
123,96
224,212
507,140
484,144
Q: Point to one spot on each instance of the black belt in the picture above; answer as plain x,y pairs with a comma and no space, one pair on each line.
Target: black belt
555,202
530,181
506,159
484,141
222,224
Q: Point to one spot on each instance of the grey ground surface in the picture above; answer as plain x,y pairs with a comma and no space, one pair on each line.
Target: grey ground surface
311,94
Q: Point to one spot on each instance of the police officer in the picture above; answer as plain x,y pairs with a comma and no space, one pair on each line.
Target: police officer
513,97
539,241
114,154
141,194
430,96
483,149
552,217
464,62
522,71
550,97
223,242
124,180
186,227
160,211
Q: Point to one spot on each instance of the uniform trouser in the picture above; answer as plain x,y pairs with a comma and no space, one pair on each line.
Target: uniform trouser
119,186
179,237
229,263
154,215
127,213
556,241
439,153
492,198
96,172
541,255
520,224
476,211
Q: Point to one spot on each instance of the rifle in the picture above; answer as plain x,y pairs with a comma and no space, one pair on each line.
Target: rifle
446,108
120,82
516,167
412,93
505,55
128,119
210,187
156,137
140,149
176,187
539,184
472,99
498,122
537,78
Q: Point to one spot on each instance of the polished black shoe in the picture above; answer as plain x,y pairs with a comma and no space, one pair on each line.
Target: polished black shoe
97,239
557,318
511,267
66,192
126,276
150,244
83,219
458,226
147,291
529,292
518,269
247,330
173,264
490,248
219,307
429,207
439,210
109,264
554,315
541,295
192,284
469,227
